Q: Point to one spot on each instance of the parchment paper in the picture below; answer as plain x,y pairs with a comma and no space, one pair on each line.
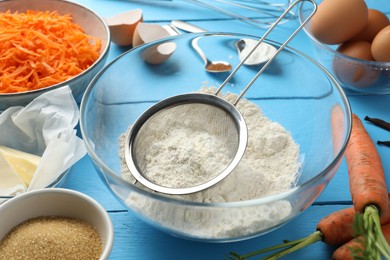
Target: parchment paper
45,127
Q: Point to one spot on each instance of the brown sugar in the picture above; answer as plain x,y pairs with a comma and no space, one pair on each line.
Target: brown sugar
52,238
219,67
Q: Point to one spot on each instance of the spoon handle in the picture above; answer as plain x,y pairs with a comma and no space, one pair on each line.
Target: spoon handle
187,27
196,47
174,27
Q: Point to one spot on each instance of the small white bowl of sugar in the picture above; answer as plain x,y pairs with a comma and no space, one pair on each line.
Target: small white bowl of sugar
54,223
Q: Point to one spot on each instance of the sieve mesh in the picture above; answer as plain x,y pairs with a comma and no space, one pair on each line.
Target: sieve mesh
196,129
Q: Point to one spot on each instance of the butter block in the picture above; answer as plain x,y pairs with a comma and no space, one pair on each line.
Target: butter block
22,164
10,183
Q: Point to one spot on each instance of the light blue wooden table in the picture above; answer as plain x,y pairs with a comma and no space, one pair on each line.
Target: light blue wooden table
136,240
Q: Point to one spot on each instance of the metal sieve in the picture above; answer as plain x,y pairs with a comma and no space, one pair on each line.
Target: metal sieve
211,116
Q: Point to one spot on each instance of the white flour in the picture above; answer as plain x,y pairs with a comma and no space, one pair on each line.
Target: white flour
185,155
270,165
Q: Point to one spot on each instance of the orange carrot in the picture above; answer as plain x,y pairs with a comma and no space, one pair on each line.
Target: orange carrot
368,189
344,252
366,176
336,228
40,49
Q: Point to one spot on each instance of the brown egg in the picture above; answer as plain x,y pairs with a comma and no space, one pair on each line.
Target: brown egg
355,73
356,49
380,47
122,26
376,22
337,21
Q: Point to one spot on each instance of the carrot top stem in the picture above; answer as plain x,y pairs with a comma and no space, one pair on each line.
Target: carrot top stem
286,248
311,239
368,226
234,255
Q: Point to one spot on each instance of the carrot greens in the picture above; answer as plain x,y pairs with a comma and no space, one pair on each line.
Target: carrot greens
287,247
374,244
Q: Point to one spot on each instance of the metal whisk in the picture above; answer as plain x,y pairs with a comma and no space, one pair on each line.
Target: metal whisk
261,13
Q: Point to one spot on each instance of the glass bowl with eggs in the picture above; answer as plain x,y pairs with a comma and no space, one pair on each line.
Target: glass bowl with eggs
352,40
298,127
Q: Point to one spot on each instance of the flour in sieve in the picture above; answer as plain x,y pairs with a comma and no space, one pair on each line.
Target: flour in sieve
185,155
270,163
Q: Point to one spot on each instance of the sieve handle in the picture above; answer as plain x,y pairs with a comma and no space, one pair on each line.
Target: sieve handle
273,57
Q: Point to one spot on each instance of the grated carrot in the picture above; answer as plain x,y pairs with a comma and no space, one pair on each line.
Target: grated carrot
39,49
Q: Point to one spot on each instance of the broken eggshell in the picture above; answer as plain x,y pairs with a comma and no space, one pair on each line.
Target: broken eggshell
145,33
122,26
156,54
159,53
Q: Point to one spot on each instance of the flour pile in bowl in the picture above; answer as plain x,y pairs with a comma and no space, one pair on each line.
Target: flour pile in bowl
270,165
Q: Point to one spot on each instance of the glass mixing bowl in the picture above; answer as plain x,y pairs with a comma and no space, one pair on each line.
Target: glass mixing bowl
356,76
294,91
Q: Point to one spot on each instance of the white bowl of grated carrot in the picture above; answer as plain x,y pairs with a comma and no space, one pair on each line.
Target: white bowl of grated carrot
47,44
